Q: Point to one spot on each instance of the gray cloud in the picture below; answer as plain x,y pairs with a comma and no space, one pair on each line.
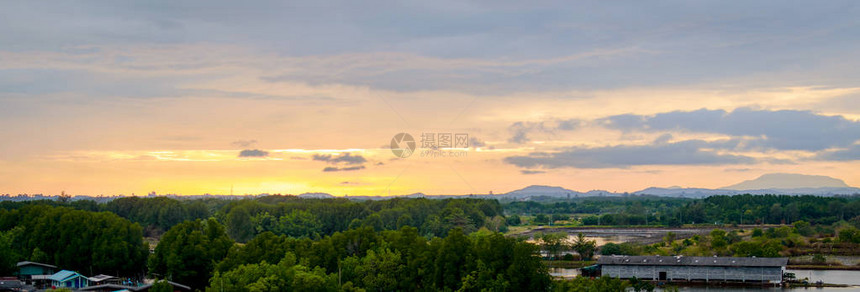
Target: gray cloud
351,168
253,153
520,130
846,154
689,152
782,130
527,171
536,42
475,142
346,158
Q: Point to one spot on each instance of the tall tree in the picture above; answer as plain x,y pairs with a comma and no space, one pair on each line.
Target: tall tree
188,251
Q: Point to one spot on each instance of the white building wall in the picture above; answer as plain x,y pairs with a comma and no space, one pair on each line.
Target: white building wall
686,273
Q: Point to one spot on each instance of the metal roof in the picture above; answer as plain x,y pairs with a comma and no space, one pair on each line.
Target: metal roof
175,285
101,277
64,275
11,284
692,261
112,287
29,263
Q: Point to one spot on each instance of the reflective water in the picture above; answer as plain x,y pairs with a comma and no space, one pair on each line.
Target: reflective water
829,276
826,276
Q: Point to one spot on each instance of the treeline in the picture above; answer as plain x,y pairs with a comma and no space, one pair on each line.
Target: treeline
596,205
155,215
352,260
86,241
325,235
770,209
312,218
299,217
739,209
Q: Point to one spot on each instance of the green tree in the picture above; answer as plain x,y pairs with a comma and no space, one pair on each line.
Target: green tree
161,286
380,271
187,252
718,239
299,224
285,276
514,220
584,284
453,260
584,247
553,243
100,242
10,256
849,234
540,219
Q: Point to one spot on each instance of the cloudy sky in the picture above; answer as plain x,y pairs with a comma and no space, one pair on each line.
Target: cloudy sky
193,97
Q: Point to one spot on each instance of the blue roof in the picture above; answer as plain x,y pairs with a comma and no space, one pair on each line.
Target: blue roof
64,275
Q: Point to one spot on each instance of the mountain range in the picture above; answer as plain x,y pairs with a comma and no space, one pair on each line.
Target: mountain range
772,183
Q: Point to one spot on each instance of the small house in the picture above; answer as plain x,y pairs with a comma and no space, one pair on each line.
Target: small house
69,279
27,269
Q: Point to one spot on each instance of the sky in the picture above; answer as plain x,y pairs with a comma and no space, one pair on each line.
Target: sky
288,97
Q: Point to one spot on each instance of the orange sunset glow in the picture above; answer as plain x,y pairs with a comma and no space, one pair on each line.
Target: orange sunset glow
266,99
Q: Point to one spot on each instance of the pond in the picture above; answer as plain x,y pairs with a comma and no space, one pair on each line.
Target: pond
566,273
829,276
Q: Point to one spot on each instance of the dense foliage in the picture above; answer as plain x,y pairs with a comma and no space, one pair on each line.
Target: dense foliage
157,214
188,251
354,239
286,215
95,242
583,284
645,210
277,243
394,260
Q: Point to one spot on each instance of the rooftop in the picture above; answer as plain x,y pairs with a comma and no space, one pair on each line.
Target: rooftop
112,287
64,275
29,263
101,277
692,261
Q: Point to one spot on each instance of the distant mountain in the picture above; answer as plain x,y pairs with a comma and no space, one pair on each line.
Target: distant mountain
804,191
542,191
315,196
789,181
772,183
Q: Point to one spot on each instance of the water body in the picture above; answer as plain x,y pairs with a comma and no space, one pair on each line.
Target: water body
826,276
566,273
618,235
829,276
702,289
